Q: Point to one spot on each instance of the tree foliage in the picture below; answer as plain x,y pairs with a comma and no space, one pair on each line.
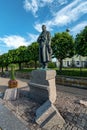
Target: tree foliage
12,56
4,61
63,46
81,43
33,51
22,55
19,55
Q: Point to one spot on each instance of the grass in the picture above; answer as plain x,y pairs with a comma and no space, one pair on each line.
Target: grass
65,71
25,70
73,72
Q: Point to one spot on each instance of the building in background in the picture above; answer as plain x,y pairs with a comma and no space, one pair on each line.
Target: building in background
75,61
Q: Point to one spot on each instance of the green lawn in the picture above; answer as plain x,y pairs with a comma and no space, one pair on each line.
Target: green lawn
26,70
73,72
65,71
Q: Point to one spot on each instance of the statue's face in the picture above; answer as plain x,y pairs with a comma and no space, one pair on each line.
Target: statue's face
43,27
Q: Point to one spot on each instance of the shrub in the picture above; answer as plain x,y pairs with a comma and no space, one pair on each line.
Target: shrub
51,65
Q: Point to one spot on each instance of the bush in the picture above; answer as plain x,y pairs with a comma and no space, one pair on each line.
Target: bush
12,75
73,72
51,65
31,64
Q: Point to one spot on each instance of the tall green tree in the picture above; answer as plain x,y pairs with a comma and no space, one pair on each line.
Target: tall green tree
19,55
12,56
81,43
4,61
33,51
1,62
62,46
22,55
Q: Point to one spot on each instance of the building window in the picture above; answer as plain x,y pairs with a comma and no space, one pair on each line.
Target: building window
77,62
85,63
67,63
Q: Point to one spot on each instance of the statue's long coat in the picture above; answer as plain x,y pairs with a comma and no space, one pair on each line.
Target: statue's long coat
45,51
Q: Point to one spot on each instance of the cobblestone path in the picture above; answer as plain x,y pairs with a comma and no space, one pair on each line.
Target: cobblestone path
75,114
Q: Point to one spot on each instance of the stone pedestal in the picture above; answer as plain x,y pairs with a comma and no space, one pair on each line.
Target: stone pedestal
42,85
47,116
11,94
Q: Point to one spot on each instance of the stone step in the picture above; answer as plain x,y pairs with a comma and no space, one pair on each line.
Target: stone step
1,94
47,116
11,94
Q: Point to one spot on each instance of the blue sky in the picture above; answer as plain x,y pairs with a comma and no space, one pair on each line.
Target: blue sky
21,20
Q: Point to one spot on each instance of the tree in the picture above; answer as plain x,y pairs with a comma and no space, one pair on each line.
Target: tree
19,55
62,46
22,55
81,43
1,62
33,51
4,61
12,56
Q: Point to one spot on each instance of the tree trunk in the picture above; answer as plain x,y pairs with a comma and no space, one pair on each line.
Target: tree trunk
19,66
35,64
2,69
60,66
81,65
6,67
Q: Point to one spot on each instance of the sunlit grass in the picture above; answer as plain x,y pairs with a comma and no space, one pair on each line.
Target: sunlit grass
79,72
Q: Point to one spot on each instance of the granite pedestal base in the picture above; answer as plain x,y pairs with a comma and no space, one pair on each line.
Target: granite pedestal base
47,116
42,85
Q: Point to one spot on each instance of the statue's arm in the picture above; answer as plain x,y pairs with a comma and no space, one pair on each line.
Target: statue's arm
39,38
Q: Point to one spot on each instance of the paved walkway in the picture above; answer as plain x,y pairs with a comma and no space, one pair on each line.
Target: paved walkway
4,83
23,83
73,90
9,121
74,113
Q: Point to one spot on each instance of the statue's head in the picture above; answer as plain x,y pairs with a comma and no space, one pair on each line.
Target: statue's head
43,27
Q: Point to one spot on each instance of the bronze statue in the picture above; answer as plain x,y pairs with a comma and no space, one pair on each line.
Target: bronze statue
45,50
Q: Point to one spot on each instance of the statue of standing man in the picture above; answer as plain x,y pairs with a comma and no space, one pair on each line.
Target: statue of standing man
45,50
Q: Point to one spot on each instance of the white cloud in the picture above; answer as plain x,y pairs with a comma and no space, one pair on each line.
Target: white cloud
66,15
62,1
76,29
54,6
32,37
38,26
48,1
14,41
70,13
31,6
34,5
1,52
